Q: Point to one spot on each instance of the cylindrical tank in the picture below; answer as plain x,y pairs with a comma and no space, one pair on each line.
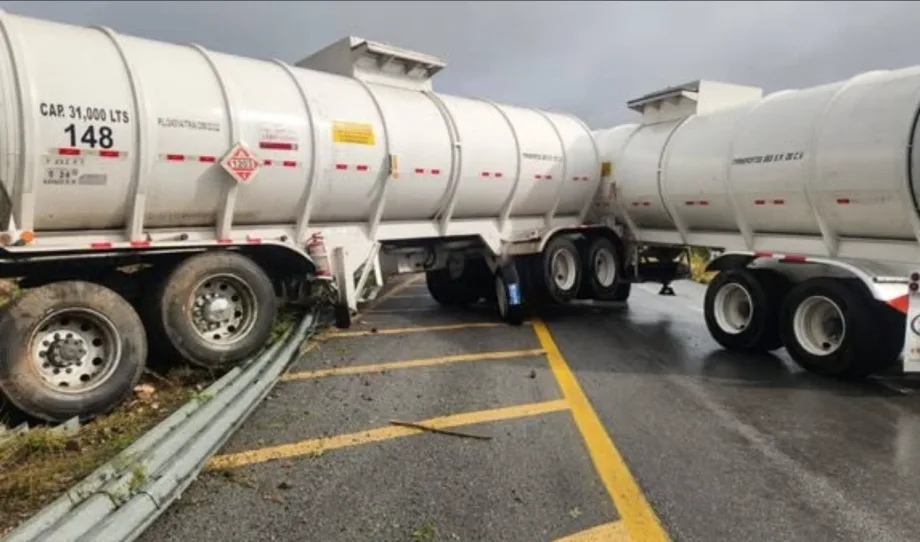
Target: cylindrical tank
97,125
841,157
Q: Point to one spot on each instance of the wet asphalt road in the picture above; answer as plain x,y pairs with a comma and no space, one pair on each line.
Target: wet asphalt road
722,446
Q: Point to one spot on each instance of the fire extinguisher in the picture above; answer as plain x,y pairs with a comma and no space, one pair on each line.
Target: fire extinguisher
316,248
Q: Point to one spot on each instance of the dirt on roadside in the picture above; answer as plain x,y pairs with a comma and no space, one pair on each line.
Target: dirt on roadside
40,465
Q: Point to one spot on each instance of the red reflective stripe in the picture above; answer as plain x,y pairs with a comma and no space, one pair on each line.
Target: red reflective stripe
759,202
224,240
341,166
843,201
779,202
69,151
485,173
646,204
794,258
253,240
101,244
276,145
704,203
499,174
175,157
140,244
108,154
435,171
763,254
538,176
899,304
292,163
419,170
362,168
689,203
207,159
548,177
266,162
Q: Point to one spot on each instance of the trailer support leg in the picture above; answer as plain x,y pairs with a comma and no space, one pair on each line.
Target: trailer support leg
666,289
347,302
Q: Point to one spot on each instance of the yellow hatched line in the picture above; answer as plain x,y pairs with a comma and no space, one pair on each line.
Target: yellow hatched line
408,364
641,521
320,445
415,329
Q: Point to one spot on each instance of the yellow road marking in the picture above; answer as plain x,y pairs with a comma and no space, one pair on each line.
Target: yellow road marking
641,521
424,362
319,445
614,531
419,329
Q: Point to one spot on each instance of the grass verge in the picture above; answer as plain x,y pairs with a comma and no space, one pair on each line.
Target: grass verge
40,465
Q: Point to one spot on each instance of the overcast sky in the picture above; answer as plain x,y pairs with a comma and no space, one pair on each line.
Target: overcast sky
586,58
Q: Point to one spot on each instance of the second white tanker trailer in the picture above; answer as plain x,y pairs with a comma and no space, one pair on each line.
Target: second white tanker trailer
813,196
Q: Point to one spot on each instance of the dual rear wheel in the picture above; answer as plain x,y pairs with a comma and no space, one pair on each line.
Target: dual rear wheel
563,271
76,348
829,326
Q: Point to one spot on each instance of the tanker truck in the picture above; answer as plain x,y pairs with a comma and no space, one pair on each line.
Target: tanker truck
165,195
809,198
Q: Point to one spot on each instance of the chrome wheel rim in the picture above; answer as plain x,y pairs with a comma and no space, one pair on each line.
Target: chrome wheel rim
223,309
75,350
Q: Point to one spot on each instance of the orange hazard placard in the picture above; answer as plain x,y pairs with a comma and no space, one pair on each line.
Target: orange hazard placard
240,163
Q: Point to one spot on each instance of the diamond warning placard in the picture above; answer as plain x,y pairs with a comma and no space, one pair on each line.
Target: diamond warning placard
240,163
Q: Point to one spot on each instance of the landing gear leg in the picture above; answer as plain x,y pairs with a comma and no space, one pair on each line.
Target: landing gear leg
508,294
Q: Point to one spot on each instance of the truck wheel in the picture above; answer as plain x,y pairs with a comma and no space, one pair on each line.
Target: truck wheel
622,291
70,348
451,286
740,313
827,327
602,265
216,308
508,296
558,271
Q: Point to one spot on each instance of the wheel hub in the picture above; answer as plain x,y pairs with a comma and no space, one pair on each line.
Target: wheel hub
66,352
733,308
224,309
218,310
563,268
819,325
75,350
605,268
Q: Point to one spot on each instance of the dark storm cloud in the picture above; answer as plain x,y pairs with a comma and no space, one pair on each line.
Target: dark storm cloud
587,58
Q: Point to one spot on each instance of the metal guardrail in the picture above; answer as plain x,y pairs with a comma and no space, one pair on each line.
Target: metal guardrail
123,497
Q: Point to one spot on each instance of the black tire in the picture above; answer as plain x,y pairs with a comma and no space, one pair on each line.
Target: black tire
622,291
107,320
217,269
510,310
542,272
342,315
461,290
600,254
862,344
761,332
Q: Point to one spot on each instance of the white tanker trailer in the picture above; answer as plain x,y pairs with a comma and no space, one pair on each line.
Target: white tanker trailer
811,194
228,178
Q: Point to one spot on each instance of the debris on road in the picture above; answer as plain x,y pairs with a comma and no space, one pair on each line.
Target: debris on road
440,431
